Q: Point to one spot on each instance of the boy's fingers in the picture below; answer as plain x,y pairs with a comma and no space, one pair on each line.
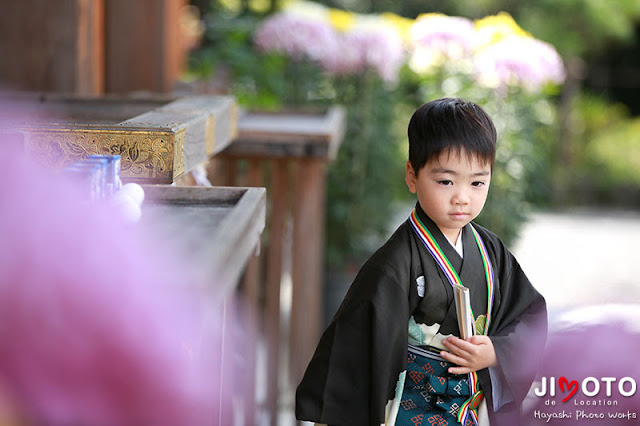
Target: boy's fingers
459,346
453,358
479,340
459,370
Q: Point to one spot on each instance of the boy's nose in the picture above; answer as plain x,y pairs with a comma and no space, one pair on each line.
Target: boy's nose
460,198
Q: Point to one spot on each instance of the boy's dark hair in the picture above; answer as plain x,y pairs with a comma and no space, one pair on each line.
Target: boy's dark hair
450,125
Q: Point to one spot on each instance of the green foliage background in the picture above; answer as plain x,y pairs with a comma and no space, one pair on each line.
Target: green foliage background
368,173
555,149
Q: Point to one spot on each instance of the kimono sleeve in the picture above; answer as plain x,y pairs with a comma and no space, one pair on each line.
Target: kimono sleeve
355,368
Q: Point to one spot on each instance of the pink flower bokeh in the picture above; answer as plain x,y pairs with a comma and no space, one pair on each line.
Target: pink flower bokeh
379,50
299,37
589,343
98,325
521,61
450,36
435,41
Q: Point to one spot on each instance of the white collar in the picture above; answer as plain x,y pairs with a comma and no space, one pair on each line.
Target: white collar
458,244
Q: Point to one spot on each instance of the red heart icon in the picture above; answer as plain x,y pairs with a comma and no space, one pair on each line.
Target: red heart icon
572,387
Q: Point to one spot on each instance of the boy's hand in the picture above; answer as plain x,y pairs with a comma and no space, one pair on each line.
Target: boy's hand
470,355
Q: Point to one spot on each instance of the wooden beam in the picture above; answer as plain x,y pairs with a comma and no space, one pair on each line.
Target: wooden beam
144,49
53,45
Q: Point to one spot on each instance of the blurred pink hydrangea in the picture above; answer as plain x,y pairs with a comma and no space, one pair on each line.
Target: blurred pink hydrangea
437,39
298,36
451,36
522,61
97,325
378,49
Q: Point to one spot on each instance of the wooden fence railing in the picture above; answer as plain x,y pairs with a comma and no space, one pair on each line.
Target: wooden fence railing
288,153
161,142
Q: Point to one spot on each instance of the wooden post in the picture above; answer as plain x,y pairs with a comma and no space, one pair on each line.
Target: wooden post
278,192
250,309
53,45
297,146
230,172
144,49
92,46
307,259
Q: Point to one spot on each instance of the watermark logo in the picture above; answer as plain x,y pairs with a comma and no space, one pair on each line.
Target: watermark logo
591,387
592,398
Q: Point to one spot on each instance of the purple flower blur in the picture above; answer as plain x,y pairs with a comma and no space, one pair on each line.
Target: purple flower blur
378,49
367,47
299,37
438,39
98,326
451,36
523,61
590,369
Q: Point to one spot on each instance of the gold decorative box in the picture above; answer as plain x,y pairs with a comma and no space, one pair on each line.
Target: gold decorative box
158,138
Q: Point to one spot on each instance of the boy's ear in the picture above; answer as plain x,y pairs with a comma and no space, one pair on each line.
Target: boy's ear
411,178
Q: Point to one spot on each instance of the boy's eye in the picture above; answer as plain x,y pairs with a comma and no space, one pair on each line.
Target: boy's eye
477,183
445,182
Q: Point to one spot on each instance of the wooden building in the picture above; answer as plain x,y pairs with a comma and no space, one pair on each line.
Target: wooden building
110,67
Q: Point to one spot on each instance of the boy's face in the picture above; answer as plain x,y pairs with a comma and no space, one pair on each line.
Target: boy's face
451,189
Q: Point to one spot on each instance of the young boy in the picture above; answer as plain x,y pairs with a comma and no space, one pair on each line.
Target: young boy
392,354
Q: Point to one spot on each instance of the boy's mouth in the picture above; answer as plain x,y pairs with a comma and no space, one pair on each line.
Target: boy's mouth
459,215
